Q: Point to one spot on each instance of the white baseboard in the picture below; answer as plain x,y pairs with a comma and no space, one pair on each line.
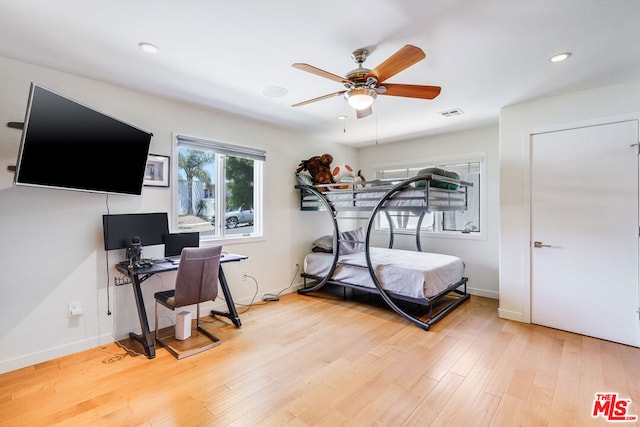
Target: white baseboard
511,315
53,353
483,293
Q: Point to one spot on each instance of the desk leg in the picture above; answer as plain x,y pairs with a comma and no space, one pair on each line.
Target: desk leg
146,339
233,313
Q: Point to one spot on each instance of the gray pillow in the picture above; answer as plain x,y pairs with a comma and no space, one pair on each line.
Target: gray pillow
325,243
438,184
352,241
304,179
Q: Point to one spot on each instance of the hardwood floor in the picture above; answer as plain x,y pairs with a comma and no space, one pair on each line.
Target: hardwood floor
322,361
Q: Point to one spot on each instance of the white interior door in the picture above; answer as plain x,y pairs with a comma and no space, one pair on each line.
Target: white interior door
584,213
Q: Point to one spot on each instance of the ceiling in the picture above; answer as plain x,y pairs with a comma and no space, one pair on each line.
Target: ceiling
484,54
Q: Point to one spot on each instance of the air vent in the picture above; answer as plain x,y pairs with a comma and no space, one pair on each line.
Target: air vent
452,112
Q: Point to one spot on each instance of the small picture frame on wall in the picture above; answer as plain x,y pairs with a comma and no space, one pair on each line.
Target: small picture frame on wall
156,173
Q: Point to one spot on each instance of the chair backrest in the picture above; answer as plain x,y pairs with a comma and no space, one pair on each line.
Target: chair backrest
197,278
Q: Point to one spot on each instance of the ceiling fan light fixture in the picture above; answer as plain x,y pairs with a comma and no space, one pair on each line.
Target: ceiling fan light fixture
360,98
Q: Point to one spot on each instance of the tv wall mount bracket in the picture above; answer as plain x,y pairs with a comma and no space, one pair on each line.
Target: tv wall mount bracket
14,125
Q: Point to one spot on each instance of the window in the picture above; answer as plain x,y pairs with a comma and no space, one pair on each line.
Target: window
218,188
448,222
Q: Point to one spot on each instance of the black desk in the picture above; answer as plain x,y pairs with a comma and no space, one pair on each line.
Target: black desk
139,275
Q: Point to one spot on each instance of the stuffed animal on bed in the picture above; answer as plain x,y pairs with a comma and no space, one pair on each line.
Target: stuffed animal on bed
346,174
319,168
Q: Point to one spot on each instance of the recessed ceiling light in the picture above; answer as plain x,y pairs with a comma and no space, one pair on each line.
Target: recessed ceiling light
341,117
148,47
560,57
274,91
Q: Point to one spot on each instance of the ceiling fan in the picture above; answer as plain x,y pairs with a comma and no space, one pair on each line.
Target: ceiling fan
363,85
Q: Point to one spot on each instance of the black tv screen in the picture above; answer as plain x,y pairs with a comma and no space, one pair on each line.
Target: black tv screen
67,145
119,229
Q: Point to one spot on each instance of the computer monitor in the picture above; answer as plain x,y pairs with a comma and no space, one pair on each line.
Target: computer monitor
174,242
119,229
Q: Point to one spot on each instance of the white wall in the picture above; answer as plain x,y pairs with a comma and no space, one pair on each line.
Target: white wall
517,123
51,240
480,255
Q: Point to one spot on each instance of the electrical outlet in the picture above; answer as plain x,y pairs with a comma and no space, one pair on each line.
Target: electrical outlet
296,266
75,309
244,277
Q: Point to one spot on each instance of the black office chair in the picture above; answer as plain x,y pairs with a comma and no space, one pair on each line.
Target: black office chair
196,282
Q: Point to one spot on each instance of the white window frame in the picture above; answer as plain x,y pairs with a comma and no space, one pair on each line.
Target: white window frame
439,216
222,149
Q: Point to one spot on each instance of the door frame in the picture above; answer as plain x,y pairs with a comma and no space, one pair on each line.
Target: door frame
526,192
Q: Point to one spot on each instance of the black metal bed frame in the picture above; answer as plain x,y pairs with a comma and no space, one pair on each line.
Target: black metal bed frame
393,189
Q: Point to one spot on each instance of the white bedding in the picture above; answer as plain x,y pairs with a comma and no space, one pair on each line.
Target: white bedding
415,198
410,273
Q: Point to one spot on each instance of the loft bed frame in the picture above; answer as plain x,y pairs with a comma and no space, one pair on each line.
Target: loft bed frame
418,195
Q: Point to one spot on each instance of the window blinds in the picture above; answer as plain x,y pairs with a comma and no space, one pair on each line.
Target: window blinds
223,148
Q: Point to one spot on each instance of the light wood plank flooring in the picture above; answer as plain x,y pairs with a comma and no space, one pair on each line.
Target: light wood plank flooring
322,361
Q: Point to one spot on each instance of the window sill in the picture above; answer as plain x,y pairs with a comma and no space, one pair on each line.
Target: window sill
231,240
456,235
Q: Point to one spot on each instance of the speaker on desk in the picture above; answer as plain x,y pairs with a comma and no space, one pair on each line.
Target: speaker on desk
183,325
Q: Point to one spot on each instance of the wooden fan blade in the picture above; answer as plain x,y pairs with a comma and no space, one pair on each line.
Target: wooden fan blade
320,98
402,59
318,72
360,114
409,91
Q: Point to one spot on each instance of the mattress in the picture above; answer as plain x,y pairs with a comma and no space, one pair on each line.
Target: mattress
409,273
406,198
367,199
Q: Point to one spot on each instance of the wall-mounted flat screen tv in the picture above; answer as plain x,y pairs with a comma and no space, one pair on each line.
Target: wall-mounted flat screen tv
67,145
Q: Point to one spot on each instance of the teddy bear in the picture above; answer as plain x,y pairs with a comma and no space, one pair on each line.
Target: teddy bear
345,174
319,168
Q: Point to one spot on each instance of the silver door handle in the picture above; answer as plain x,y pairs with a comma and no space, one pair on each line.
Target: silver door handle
540,245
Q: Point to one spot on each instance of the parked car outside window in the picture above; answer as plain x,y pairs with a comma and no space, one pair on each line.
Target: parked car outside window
234,217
